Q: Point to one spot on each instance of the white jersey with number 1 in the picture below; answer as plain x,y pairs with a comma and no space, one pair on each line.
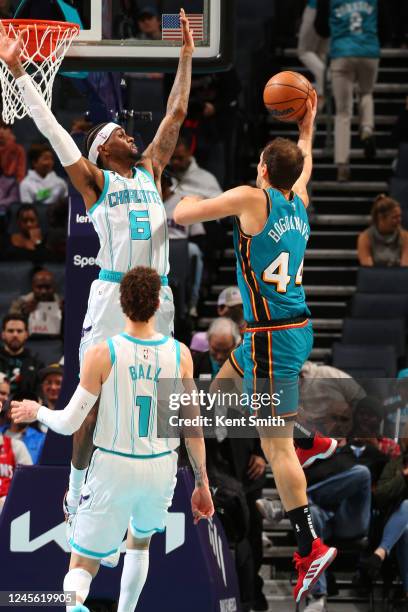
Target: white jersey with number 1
132,474
130,220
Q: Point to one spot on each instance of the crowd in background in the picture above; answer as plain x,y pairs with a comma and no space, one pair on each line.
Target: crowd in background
367,479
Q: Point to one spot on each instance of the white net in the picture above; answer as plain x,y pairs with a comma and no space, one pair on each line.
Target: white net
43,49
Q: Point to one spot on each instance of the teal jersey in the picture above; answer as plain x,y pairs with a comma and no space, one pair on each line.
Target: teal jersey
270,264
354,28
312,4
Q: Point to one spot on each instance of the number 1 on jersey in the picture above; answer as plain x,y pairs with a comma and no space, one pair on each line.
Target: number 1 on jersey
277,273
144,403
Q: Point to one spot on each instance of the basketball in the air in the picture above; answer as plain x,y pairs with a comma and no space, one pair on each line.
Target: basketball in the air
285,96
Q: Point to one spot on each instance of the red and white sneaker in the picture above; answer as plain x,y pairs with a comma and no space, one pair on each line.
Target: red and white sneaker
323,448
310,568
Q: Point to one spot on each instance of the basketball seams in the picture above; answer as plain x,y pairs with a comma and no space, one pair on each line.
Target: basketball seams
291,84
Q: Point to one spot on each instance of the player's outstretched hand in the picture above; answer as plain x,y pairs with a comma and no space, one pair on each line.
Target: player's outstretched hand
306,124
10,48
202,505
188,40
25,411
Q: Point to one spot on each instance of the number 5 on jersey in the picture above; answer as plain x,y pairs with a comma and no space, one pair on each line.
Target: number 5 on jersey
277,273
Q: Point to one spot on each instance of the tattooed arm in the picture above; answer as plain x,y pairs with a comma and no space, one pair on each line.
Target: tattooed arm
158,153
201,502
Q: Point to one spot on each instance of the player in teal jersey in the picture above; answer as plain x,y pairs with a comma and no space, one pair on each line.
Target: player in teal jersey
271,230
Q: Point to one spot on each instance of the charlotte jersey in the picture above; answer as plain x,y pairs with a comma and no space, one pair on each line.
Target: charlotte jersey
353,27
135,397
131,208
270,264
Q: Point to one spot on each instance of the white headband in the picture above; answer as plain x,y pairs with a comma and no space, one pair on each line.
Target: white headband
100,139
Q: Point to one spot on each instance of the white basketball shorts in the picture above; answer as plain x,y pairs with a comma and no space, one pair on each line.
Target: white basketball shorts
122,491
104,317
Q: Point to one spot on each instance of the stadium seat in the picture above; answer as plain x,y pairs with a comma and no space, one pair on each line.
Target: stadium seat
365,361
379,306
6,297
48,350
384,332
382,280
16,276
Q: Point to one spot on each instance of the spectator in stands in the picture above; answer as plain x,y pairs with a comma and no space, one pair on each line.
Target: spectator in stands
384,243
354,52
42,184
328,397
212,123
223,336
56,240
29,434
368,416
4,394
391,497
50,387
13,452
193,233
312,49
9,193
12,155
16,361
125,23
28,242
229,304
339,492
42,306
149,24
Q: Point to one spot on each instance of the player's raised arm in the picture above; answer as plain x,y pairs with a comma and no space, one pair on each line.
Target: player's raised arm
85,176
158,153
95,370
193,209
305,143
201,501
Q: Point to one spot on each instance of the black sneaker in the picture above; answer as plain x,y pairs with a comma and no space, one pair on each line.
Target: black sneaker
371,566
370,150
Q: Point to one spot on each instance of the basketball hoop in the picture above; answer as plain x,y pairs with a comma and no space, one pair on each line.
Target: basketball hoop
44,45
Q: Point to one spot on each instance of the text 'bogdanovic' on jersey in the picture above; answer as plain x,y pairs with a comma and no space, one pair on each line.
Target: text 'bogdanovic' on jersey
134,400
270,264
130,220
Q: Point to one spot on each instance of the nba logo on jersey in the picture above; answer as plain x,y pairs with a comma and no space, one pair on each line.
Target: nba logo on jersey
146,354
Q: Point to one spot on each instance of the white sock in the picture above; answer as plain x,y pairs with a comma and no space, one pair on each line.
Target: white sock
76,481
134,574
78,580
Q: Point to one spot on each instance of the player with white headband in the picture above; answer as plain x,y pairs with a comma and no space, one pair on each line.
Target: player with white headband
122,195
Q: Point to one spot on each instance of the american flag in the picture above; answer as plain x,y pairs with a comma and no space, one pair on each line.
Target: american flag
171,29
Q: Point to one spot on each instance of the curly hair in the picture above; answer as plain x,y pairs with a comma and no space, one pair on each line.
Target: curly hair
139,293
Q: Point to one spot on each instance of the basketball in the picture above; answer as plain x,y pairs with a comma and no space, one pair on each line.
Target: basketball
286,94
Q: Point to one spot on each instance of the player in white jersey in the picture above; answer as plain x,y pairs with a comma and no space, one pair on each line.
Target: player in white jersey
129,373
121,191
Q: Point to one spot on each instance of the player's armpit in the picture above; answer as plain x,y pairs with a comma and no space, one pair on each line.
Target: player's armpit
230,203
88,179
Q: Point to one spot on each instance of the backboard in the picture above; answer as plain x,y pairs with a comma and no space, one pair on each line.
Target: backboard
111,37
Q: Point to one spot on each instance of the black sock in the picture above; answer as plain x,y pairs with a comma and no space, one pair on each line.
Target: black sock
303,438
303,527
